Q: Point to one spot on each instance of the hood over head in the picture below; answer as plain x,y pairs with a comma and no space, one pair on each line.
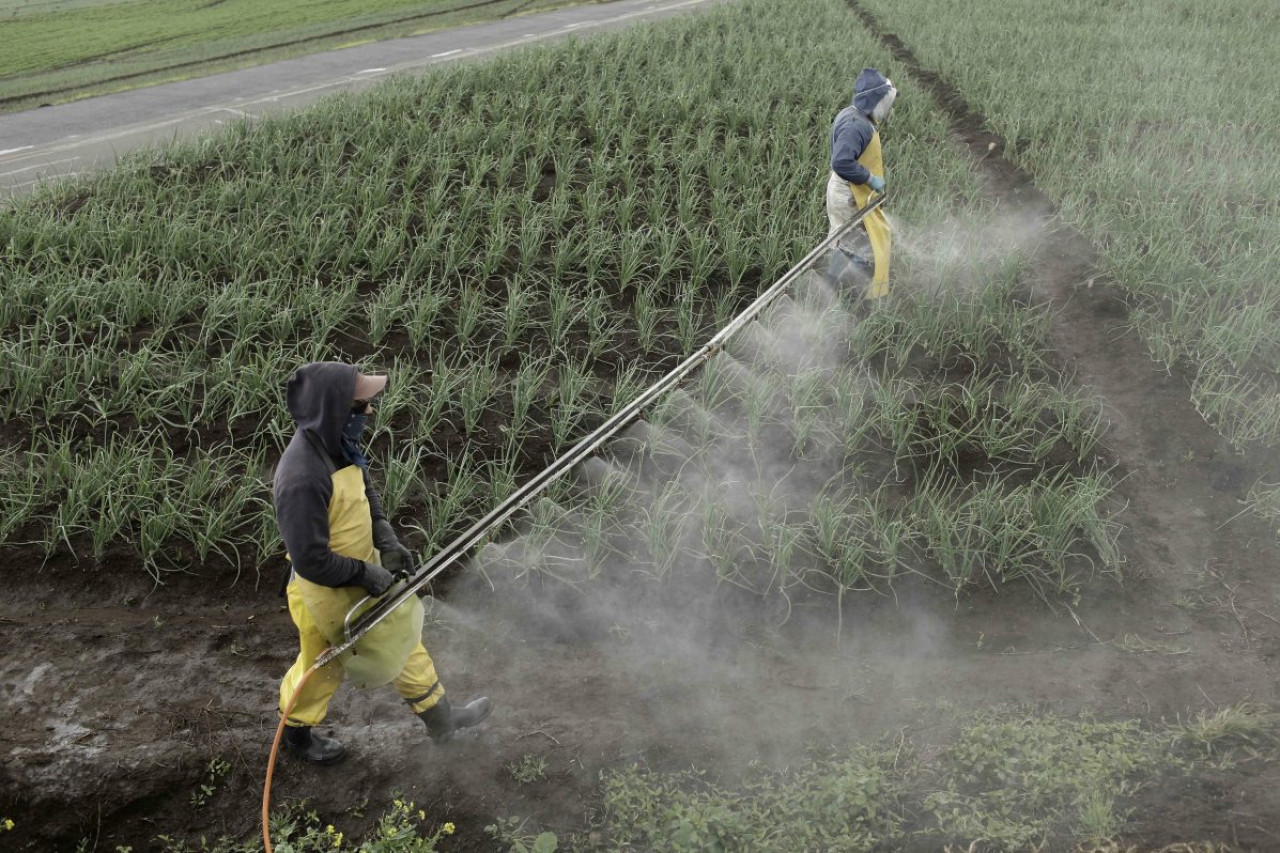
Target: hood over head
319,396
873,94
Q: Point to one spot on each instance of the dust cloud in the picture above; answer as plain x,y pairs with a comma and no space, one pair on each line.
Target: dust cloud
963,254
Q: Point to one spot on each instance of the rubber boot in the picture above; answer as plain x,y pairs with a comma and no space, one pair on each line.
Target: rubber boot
847,271
309,746
836,265
443,720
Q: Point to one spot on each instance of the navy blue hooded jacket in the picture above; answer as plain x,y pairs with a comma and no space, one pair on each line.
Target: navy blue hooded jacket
852,130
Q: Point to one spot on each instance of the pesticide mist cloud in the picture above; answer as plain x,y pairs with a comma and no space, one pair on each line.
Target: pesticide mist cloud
678,548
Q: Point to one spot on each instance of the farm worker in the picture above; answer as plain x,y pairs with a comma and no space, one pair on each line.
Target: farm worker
857,171
337,538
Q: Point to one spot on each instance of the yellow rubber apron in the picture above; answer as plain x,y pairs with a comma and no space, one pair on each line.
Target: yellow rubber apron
381,654
875,223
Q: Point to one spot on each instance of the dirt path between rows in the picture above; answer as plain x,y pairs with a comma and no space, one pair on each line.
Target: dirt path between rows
118,696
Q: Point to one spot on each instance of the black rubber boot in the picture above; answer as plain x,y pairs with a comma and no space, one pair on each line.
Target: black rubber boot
443,720
309,746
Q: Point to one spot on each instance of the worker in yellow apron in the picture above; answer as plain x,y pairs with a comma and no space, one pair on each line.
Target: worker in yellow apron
857,171
342,549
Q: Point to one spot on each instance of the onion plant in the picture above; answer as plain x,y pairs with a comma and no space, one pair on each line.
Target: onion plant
1200,274
506,239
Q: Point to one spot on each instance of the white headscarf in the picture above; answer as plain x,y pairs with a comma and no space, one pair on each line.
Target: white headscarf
881,109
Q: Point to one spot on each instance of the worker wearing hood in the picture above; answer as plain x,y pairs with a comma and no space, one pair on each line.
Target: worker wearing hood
338,537
857,170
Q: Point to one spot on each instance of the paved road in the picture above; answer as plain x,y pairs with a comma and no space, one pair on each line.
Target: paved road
87,135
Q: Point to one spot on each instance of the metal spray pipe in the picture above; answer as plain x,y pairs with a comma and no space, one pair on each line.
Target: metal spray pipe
357,628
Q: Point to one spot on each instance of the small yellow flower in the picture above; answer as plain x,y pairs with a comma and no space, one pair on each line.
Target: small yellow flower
328,830
8,824
422,815
337,841
449,828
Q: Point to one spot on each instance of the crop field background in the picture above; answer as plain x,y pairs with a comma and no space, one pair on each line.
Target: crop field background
785,470
873,578
76,47
1160,156
518,292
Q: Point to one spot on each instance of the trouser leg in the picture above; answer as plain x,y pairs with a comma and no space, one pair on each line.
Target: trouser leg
840,207
420,687
845,268
418,683
312,703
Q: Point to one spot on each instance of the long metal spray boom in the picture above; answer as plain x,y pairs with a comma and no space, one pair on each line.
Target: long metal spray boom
468,540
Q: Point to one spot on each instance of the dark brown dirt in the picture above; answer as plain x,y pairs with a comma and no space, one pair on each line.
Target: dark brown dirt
118,694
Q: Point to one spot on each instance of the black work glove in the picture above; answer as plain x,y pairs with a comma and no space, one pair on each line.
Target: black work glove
396,558
374,579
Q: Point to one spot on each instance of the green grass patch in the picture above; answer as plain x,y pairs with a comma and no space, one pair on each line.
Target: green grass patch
76,47
1006,780
402,828
845,804
1017,782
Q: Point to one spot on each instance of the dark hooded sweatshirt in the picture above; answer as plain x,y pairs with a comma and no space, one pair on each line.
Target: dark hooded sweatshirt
319,396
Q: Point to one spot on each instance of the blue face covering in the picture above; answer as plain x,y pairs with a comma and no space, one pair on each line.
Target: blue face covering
351,432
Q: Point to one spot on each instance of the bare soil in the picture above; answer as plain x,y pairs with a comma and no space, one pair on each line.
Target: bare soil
117,694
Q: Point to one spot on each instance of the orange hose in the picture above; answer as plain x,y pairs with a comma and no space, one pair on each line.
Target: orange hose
271,762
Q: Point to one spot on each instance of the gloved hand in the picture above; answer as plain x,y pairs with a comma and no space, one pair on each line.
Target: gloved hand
375,579
876,183
396,558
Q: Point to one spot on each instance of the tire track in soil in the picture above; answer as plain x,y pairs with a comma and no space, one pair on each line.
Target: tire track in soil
1181,481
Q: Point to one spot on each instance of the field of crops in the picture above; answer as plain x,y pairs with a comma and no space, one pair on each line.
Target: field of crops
794,467
71,47
523,260
524,255
1161,157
